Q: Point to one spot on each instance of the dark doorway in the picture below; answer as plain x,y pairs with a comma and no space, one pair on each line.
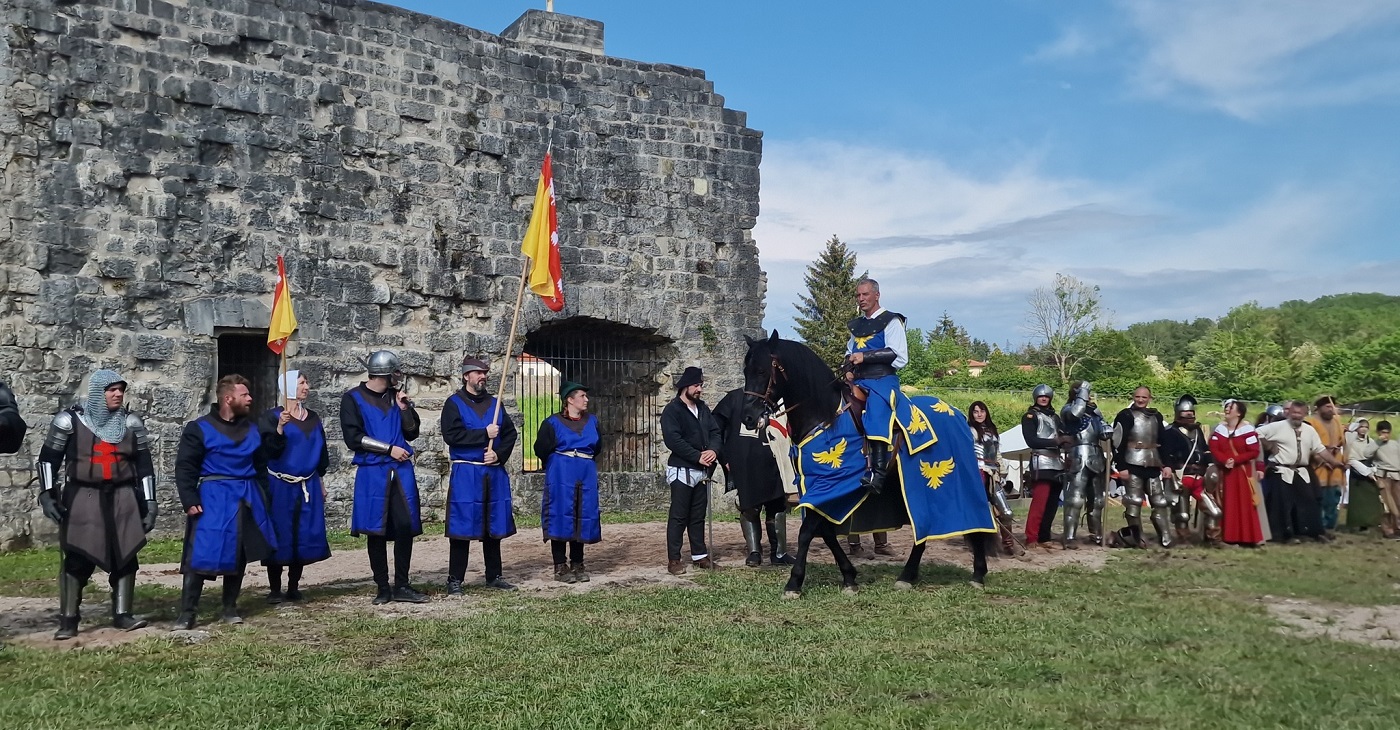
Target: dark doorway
246,354
622,368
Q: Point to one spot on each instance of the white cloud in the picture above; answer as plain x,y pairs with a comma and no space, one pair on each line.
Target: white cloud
976,245
1072,42
1250,57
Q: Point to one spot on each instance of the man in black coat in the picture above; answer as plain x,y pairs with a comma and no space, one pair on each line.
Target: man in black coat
693,437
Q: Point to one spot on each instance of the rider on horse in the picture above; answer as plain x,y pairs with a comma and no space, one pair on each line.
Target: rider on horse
878,348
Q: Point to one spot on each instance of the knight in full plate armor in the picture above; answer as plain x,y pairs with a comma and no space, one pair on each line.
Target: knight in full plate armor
1084,487
1137,433
1044,433
106,504
1186,449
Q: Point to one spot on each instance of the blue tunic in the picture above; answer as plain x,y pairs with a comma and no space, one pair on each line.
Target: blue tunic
570,501
234,528
474,513
370,515
298,510
878,418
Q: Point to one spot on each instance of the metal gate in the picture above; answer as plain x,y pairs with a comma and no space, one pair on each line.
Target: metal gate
247,354
622,380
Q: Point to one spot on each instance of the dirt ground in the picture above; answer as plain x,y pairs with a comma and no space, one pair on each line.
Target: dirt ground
1377,626
630,555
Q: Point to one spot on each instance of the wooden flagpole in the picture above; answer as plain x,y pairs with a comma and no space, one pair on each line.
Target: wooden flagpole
515,317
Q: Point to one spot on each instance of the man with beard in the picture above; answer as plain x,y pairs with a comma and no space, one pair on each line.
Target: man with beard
377,420
1137,431
221,473
1186,448
692,435
751,469
1330,481
1087,431
12,427
1295,510
107,503
1044,433
480,437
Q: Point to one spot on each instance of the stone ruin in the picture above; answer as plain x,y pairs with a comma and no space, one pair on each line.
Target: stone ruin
158,156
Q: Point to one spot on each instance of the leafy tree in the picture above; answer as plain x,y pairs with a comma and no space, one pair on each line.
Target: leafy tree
1243,362
1110,353
822,313
1375,373
922,367
1059,317
1168,340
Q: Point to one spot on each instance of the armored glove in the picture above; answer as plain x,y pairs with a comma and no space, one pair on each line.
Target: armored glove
148,517
48,501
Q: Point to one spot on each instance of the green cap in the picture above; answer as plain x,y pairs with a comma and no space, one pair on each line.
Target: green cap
569,386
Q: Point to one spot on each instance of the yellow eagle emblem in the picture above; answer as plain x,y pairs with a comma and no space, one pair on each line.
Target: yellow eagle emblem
918,422
832,456
861,341
943,408
936,472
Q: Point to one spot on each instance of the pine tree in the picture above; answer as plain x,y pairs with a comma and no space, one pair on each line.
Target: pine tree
830,302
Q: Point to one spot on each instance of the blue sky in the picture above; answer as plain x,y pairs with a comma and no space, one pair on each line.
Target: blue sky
1184,155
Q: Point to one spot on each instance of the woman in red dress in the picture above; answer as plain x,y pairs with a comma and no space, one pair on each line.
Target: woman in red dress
1235,446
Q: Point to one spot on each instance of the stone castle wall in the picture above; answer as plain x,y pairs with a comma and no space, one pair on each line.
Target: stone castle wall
158,156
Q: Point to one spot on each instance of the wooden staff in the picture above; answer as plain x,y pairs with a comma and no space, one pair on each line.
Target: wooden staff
510,351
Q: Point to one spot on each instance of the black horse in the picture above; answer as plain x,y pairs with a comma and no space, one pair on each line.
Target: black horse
776,369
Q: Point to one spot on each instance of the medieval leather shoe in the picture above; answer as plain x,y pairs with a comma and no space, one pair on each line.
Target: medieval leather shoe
454,587
563,574
127,622
581,573
186,621
231,616
500,584
67,628
294,595
675,567
754,559
883,548
383,596
407,594
705,563
275,597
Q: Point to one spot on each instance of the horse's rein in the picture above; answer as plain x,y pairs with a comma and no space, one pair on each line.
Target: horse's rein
775,369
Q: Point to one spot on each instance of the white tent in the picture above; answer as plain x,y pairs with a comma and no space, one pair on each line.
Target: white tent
1013,444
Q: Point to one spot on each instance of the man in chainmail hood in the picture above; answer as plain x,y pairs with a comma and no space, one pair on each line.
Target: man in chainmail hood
106,503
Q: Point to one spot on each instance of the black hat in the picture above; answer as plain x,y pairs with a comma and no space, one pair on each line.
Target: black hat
691,376
567,387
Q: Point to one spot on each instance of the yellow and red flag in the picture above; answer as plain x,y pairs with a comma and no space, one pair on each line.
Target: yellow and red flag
542,243
284,320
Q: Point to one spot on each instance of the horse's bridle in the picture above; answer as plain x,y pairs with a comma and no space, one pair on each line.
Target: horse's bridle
775,368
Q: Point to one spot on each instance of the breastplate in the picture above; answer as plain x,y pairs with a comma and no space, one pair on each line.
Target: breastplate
1140,448
1046,427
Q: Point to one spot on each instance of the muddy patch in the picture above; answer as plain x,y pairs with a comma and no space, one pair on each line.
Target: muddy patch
32,621
1377,626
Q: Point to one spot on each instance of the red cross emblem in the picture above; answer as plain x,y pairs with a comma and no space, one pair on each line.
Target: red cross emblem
105,456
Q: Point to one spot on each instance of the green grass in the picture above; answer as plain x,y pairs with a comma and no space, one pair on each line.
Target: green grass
1176,640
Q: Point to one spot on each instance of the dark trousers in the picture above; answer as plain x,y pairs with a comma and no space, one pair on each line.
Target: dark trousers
274,577
687,515
81,568
1295,510
459,550
378,548
556,548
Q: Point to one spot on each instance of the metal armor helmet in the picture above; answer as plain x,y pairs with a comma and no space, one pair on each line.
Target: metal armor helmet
1274,411
1043,390
383,363
1186,402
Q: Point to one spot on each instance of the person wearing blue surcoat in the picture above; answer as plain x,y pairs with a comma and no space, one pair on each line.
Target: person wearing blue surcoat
876,350
567,443
480,437
221,472
377,420
297,461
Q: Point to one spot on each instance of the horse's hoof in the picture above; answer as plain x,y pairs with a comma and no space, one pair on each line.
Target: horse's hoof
791,595
903,585
850,590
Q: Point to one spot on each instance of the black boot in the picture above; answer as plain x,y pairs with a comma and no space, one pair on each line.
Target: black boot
274,585
232,585
294,583
751,541
777,540
879,464
189,601
70,596
123,590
